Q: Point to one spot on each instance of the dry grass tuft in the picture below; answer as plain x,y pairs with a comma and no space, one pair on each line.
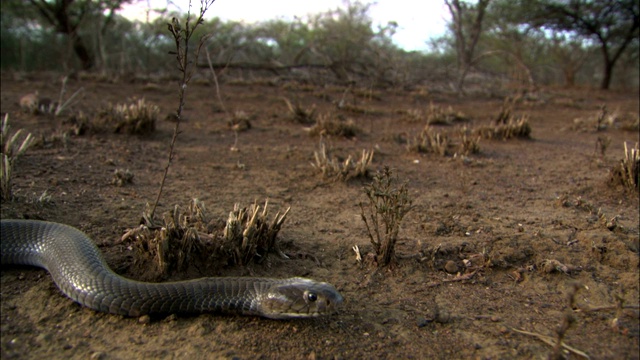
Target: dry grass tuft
138,117
249,235
434,115
506,125
430,141
626,171
239,121
12,148
437,115
299,114
332,168
327,125
121,177
506,129
469,143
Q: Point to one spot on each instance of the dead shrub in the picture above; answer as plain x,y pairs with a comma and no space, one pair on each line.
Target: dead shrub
383,214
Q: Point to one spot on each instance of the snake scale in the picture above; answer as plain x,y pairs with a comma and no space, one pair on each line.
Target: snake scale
81,273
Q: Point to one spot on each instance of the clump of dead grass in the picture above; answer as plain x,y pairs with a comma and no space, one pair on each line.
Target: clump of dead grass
513,127
506,125
626,171
469,143
434,115
121,177
332,168
604,120
430,141
383,214
299,114
239,121
248,235
438,115
12,148
137,117
328,125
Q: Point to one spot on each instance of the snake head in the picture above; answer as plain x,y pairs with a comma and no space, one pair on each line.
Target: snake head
300,298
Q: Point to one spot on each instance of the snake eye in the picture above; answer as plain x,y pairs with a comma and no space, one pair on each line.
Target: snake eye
312,296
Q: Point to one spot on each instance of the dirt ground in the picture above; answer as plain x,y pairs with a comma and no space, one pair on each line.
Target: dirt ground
518,204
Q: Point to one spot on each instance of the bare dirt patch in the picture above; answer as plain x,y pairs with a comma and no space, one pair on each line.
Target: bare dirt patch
478,254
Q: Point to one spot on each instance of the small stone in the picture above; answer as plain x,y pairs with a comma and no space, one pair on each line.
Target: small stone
443,317
144,319
422,322
451,267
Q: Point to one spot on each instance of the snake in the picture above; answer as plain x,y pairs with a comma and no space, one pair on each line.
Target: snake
80,272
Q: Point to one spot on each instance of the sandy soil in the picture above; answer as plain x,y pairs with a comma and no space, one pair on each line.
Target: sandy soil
521,203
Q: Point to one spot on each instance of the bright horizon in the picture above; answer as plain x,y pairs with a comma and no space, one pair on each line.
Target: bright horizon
417,21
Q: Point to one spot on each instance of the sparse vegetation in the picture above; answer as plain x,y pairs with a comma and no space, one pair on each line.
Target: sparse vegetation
434,115
437,115
329,125
136,118
300,114
469,143
182,36
506,125
626,172
332,168
121,177
388,203
430,141
12,149
513,127
239,121
248,236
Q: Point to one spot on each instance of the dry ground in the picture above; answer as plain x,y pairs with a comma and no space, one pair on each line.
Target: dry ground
520,203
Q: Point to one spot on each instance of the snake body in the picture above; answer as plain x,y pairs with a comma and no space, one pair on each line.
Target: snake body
82,274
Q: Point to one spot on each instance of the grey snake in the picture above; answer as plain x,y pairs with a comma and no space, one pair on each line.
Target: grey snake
81,273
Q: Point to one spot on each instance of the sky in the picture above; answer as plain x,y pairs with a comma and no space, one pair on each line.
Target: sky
418,20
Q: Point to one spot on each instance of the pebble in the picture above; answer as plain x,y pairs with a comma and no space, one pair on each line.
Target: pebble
451,267
422,321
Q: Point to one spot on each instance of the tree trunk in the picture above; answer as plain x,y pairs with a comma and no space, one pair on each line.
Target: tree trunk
606,78
82,52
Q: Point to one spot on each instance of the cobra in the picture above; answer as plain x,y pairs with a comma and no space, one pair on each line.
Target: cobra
81,273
